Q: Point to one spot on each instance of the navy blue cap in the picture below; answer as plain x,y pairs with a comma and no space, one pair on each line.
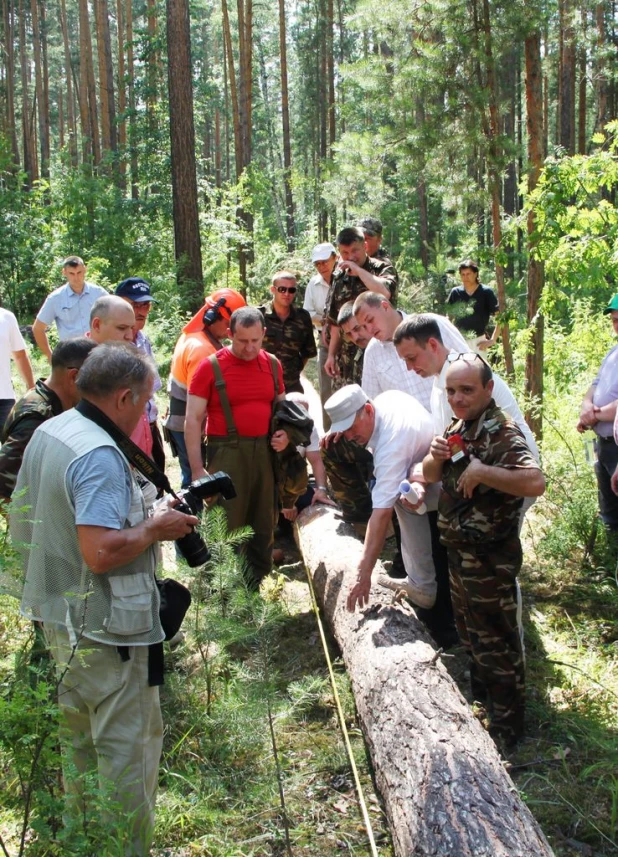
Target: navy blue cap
135,289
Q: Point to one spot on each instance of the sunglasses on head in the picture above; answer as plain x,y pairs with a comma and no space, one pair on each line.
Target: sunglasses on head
283,289
466,356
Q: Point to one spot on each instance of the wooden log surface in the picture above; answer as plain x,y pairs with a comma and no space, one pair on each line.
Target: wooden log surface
444,786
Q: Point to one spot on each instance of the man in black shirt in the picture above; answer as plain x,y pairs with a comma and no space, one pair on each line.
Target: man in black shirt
477,304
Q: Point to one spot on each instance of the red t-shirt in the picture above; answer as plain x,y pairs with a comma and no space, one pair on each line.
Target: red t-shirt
249,387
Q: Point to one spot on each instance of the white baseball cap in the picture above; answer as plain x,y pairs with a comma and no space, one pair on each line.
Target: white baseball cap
343,405
322,252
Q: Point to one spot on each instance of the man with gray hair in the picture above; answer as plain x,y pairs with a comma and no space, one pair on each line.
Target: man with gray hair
90,553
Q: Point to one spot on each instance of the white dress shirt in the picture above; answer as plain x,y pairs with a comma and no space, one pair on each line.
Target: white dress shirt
384,369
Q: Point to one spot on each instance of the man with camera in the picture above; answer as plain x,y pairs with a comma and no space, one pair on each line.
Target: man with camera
90,553
237,390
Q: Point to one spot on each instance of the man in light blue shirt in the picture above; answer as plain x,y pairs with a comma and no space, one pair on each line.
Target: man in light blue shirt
598,412
69,306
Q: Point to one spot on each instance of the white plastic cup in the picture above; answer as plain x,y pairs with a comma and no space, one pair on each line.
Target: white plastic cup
408,492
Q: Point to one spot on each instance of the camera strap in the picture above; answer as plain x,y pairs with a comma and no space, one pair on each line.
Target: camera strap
136,456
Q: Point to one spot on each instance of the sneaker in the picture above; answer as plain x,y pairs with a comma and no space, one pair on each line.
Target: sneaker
417,596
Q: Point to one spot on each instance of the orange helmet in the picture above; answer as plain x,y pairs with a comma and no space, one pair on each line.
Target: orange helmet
219,305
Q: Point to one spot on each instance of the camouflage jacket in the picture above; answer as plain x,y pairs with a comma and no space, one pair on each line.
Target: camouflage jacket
345,287
38,405
489,515
291,340
350,363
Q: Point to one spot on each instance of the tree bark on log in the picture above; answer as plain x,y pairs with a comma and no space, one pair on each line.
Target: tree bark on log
444,785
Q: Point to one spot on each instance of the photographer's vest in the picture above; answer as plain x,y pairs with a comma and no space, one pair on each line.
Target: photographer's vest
119,607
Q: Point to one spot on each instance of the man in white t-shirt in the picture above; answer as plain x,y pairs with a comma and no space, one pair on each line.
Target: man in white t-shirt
420,344
399,431
11,345
383,368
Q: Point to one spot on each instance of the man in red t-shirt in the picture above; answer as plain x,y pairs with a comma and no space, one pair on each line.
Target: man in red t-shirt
238,442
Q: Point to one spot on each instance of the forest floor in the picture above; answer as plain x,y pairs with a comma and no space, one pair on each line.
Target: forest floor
249,754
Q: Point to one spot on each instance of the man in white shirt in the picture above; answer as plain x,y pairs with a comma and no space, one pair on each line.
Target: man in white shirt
420,344
11,345
69,306
398,430
383,368
324,259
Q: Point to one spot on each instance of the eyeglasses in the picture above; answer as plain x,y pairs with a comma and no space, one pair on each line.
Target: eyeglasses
283,289
466,356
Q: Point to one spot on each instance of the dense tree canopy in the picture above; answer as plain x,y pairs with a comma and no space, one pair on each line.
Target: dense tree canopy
435,117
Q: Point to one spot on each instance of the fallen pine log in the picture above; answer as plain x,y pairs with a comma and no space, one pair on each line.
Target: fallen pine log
444,786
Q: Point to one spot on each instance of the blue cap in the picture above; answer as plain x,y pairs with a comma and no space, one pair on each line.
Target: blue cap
135,289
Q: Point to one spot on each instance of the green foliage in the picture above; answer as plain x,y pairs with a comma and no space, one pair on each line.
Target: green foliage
577,224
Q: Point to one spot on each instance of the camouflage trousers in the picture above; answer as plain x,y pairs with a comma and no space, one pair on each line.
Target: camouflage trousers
484,594
349,468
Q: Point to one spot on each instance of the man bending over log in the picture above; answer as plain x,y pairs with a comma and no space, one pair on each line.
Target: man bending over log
398,430
486,470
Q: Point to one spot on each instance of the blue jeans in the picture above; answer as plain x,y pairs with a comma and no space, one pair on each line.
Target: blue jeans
183,459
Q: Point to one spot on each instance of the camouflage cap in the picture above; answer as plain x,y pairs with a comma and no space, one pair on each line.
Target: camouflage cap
371,225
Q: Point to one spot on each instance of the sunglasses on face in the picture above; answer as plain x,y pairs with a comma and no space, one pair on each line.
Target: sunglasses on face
283,289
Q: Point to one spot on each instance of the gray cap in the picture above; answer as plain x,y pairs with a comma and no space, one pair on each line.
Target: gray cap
322,252
343,405
371,224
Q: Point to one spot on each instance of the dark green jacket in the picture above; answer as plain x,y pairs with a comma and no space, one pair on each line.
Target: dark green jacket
291,340
38,405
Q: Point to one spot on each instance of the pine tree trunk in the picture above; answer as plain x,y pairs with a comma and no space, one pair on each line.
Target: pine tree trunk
227,35
285,121
122,99
27,129
9,42
182,136
600,78
491,129
109,135
153,61
581,105
566,80
131,90
71,123
534,357
88,93
84,112
60,100
43,114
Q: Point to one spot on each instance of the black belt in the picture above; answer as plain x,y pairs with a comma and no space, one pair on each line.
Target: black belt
607,439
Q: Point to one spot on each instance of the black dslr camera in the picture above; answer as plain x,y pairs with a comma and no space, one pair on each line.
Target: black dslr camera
192,546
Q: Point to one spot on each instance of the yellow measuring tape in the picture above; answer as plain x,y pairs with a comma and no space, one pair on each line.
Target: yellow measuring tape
344,730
